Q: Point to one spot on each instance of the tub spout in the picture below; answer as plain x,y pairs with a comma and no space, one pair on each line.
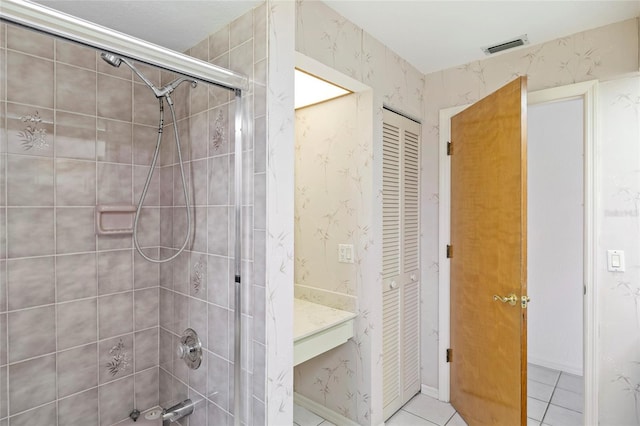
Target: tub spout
177,412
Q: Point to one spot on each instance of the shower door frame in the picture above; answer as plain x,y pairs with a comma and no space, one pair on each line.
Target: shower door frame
62,25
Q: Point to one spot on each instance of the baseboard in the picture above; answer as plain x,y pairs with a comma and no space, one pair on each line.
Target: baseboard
555,365
322,411
430,391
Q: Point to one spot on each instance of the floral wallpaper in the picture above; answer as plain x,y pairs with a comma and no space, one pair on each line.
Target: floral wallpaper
619,227
332,166
605,54
279,219
355,381
333,177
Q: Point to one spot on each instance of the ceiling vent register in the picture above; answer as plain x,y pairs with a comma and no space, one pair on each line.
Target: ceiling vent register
520,41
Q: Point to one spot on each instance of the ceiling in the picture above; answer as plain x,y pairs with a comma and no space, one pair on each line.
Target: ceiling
431,35
176,24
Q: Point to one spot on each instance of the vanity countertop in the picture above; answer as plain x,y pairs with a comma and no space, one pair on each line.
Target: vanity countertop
310,318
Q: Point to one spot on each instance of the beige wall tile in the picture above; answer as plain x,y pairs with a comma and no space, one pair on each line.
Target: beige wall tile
115,358
115,401
75,54
114,98
31,333
76,277
33,383
77,323
75,183
115,271
147,388
76,369
114,184
75,136
241,30
30,282
146,352
146,109
29,130
29,181
146,305
75,89
114,141
115,314
75,230
80,409
29,41
145,274
219,43
23,225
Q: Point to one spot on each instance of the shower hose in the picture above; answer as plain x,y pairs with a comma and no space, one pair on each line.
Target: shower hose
148,181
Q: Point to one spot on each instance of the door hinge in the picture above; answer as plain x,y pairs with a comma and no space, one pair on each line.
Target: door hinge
449,355
449,251
449,148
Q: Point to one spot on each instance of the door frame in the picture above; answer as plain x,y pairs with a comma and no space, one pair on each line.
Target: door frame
588,92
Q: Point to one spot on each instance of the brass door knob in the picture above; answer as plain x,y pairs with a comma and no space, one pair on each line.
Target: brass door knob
511,299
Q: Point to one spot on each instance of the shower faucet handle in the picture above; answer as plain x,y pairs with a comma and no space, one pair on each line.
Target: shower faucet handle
184,350
190,349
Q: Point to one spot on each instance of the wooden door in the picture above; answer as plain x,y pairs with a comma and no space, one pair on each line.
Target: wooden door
488,239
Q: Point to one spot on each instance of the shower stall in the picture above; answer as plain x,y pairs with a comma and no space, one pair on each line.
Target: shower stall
126,220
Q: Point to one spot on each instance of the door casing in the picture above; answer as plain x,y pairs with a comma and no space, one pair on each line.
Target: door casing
588,92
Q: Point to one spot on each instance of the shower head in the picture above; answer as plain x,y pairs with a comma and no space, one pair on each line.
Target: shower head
115,60
111,59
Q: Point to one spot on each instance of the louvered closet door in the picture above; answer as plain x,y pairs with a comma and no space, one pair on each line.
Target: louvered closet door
391,306
410,260
400,262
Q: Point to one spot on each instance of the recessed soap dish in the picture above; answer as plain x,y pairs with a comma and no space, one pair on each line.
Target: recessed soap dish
114,220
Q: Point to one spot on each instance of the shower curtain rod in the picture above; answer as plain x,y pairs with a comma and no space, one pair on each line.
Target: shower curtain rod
51,21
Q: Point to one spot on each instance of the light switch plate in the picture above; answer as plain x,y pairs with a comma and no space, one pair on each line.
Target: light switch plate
345,253
615,260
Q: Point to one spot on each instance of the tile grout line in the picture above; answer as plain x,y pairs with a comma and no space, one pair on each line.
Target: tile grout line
550,398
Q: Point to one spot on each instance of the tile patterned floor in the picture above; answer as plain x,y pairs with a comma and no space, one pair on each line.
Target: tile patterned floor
304,417
555,399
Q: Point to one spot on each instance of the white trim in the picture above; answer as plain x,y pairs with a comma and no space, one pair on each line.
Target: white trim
588,91
444,232
69,27
322,411
555,365
590,315
318,69
429,391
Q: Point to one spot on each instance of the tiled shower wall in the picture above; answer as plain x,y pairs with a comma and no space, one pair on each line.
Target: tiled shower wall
197,289
78,313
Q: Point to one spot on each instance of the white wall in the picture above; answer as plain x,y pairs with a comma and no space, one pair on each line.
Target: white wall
555,235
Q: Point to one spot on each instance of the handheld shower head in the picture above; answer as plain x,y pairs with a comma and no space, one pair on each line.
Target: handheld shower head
116,61
111,59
